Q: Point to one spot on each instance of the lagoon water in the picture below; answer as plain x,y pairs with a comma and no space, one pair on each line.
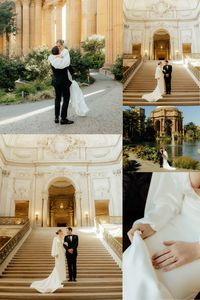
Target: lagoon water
184,148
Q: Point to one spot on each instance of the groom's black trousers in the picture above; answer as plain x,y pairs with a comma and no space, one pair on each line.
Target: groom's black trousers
168,84
62,91
71,262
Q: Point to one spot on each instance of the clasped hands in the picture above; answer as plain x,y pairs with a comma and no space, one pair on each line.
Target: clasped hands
175,253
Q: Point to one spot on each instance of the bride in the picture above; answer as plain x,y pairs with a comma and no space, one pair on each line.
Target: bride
163,261
61,60
58,275
165,161
160,88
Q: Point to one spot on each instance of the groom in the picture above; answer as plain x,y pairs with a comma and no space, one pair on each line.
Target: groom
61,84
71,245
167,70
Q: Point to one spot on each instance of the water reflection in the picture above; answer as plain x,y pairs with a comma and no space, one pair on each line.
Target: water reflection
179,148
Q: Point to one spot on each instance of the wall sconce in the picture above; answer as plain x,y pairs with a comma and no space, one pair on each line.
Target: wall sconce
36,216
61,206
86,217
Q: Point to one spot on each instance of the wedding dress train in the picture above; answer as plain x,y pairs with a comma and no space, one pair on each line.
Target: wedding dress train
160,88
77,99
174,214
58,275
166,165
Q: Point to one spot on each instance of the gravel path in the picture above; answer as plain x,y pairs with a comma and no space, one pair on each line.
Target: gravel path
104,99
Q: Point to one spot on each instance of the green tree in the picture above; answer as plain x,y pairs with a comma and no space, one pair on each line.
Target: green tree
117,68
131,125
7,21
191,130
94,56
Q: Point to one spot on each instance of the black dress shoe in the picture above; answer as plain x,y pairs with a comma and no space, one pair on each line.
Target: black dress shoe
56,120
74,279
66,122
69,280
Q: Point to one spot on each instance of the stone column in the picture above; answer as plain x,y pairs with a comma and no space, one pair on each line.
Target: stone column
117,29
19,28
44,28
109,34
38,23
101,17
50,26
1,44
26,32
74,12
32,24
59,6
90,26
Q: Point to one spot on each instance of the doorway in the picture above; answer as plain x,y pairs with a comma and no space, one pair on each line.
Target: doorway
21,208
62,206
161,45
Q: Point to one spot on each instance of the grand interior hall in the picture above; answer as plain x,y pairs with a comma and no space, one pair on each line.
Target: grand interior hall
162,30
53,181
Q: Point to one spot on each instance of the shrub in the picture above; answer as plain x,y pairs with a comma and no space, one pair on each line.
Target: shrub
8,98
10,70
117,68
36,65
94,56
94,61
146,152
46,94
27,89
81,69
185,162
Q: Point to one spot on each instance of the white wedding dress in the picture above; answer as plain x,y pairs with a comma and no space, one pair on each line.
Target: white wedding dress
58,275
173,210
165,162
77,99
160,88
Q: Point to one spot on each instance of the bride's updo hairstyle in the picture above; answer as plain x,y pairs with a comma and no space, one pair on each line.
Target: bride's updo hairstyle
59,230
60,42
55,50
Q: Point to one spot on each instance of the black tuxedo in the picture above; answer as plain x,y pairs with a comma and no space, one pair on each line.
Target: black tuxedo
72,243
62,84
167,70
160,157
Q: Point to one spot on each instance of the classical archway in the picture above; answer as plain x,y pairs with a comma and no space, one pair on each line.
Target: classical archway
161,45
61,203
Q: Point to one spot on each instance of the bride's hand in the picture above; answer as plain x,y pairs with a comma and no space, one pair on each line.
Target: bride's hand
145,229
175,255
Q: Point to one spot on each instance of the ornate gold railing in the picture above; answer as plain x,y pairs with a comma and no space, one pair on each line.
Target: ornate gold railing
113,242
130,71
12,221
10,245
194,70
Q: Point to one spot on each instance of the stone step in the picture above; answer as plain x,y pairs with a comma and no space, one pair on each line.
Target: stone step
66,289
183,86
66,296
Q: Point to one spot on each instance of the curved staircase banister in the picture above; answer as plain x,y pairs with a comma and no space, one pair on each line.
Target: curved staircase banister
8,247
112,241
128,73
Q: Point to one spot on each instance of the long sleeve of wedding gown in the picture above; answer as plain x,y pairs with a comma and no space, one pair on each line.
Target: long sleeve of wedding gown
60,62
166,200
54,249
157,74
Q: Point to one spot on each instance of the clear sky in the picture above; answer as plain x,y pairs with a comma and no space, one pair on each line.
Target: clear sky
190,113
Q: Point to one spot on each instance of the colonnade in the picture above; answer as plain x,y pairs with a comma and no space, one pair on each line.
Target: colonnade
41,23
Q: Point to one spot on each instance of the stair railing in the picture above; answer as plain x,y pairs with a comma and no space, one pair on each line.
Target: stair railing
112,241
8,247
195,70
129,72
